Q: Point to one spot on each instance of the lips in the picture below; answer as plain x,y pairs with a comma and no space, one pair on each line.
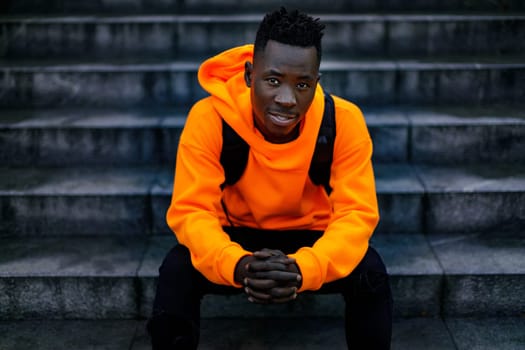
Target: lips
282,119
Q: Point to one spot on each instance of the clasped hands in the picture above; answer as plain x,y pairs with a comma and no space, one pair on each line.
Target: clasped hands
268,276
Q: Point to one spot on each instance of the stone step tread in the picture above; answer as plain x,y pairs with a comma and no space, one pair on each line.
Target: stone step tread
141,118
168,83
90,256
129,64
119,276
207,6
504,333
404,254
252,18
390,178
184,36
67,137
119,200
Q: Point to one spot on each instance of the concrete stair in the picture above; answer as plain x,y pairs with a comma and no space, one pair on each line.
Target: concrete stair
184,35
93,97
229,6
371,82
432,333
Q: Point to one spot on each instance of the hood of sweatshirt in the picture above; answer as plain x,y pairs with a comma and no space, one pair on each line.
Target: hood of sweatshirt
222,76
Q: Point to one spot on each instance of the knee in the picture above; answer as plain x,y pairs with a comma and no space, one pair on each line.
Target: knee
371,262
176,262
370,279
374,284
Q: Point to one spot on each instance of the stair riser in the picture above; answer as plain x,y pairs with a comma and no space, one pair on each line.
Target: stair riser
475,211
400,212
105,298
157,145
175,36
230,6
131,215
365,85
134,146
461,144
474,295
63,147
67,298
110,298
72,215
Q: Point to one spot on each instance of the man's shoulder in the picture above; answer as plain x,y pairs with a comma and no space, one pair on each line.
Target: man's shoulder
203,105
345,109
203,120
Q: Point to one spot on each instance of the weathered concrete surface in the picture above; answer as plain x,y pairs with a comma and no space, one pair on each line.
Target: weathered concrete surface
377,82
474,198
400,199
69,278
310,334
67,335
389,129
416,274
488,333
484,273
467,135
313,334
248,6
173,35
75,201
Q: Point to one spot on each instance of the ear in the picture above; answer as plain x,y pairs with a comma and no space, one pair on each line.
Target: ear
248,68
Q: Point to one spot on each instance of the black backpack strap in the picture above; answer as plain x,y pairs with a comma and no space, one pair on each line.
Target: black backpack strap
234,155
324,149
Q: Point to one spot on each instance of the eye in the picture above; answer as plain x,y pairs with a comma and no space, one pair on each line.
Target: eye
273,81
303,86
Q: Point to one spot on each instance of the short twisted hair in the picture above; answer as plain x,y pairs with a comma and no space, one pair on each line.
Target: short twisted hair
291,28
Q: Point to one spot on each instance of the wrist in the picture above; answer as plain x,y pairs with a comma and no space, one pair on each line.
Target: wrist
240,272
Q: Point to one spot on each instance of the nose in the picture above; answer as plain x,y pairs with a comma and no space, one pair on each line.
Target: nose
285,97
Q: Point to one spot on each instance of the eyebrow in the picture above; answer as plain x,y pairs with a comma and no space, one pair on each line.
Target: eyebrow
279,74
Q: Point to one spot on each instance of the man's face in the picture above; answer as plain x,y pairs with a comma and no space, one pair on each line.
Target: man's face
283,80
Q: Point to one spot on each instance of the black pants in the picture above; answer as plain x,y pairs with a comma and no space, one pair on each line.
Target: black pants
176,309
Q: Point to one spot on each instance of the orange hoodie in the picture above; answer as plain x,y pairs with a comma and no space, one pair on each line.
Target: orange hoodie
275,191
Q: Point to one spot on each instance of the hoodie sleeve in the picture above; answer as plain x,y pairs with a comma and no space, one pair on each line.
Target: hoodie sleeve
193,214
355,212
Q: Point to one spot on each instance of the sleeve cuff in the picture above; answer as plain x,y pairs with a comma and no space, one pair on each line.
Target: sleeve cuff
228,260
311,271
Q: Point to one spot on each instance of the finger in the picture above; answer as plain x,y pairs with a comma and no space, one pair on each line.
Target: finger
283,292
259,284
258,296
259,301
283,259
264,298
262,254
267,253
257,266
278,276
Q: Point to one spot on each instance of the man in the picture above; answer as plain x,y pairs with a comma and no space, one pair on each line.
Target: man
273,234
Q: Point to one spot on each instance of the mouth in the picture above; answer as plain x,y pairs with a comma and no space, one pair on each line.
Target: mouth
282,119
